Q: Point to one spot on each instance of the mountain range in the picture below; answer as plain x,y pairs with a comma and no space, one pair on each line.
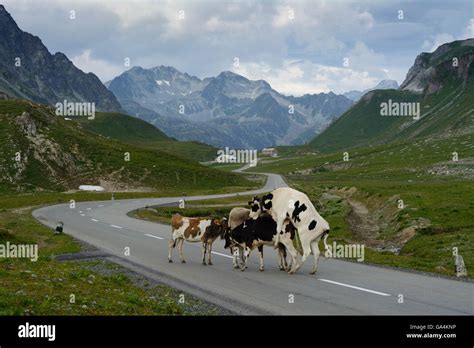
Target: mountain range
231,110
226,110
29,71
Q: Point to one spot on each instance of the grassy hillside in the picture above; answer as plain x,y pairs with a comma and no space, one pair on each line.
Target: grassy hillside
362,124
41,151
446,104
138,132
359,198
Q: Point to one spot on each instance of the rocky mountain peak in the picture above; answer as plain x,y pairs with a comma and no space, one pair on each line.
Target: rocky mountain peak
41,76
430,70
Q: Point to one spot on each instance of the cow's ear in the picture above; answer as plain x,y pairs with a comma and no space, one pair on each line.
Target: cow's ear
250,203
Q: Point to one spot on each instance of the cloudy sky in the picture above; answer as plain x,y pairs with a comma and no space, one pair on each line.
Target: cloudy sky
297,46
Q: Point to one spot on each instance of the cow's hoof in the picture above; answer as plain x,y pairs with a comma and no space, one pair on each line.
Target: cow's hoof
242,269
183,261
312,272
262,269
209,263
204,263
170,261
236,266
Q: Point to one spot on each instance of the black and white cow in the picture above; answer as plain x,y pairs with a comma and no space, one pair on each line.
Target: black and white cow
238,216
287,203
254,233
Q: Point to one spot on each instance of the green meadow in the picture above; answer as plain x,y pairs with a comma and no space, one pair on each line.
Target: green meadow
361,198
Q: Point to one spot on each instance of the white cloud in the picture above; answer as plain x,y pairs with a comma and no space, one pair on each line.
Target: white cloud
362,57
102,68
436,41
284,16
469,31
307,50
441,38
302,77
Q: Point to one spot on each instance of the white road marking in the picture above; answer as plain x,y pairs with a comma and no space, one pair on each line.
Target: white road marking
80,211
355,287
95,220
100,206
220,254
152,236
83,214
88,208
115,226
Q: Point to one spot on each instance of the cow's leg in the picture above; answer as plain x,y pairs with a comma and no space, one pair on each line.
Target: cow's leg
242,256
287,263
235,260
171,245
246,253
306,246
288,243
209,246
235,254
315,248
279,228
180,249
260,249
204,249
282,257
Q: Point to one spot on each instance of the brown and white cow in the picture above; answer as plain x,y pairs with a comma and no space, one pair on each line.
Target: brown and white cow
195,229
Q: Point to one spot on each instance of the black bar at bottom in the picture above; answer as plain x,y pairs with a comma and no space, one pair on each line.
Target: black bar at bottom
426,330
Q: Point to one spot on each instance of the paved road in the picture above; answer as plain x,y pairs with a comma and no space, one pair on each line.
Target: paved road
339,287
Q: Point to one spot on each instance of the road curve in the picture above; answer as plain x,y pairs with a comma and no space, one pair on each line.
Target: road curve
339,287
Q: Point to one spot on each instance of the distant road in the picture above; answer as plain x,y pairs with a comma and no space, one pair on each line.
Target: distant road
339,287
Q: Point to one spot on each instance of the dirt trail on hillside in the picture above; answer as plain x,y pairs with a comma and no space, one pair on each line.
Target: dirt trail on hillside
360,222
370,225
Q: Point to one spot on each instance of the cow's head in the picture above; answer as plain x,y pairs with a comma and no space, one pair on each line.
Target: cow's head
220,226
224,226
217,228
254,205
266,202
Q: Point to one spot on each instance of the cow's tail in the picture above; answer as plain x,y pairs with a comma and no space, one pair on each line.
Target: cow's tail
325,237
